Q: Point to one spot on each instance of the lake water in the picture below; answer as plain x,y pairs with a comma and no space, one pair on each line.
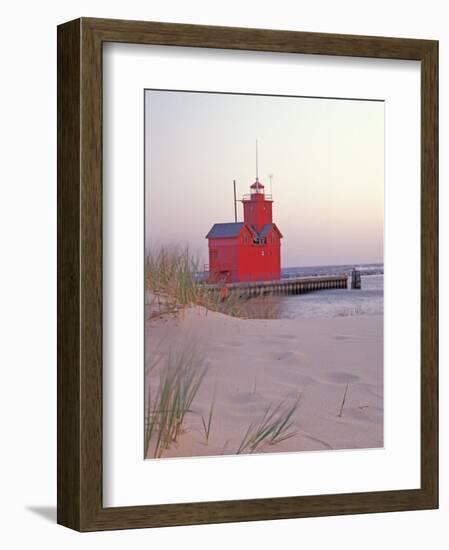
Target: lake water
336,303
328,303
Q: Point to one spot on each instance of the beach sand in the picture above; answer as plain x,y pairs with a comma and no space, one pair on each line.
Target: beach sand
253,363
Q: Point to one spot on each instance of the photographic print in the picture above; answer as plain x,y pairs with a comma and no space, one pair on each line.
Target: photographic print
264,224
221,292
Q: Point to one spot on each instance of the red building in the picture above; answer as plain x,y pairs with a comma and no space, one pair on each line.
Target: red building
248,250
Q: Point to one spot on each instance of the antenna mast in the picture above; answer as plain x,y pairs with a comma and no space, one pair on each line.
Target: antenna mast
257,162
235,204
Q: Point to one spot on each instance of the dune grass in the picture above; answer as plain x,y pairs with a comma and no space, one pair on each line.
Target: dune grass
178,375
181,376
207,422
340,414
274,427
350,311
170,275
261,307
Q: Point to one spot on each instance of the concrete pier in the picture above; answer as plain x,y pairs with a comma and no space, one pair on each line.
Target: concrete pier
297,285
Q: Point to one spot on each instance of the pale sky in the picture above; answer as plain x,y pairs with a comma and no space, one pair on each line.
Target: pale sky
326,157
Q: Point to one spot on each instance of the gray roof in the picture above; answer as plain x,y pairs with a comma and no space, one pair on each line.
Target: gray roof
224,230
230,230
253,229
265,230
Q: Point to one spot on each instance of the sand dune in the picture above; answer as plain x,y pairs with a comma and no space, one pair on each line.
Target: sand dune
254,363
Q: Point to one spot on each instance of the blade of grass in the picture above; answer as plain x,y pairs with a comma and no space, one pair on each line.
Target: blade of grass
207,425
271,429
181,376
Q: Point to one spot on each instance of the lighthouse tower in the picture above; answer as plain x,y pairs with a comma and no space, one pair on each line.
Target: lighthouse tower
257,207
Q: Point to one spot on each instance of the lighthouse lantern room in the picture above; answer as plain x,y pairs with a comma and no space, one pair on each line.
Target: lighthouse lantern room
248,250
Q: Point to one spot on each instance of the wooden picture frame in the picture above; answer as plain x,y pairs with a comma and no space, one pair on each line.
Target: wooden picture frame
80,504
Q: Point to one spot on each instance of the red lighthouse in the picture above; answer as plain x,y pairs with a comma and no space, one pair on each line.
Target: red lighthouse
248,250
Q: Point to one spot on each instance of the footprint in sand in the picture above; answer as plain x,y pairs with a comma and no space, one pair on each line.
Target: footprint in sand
285,355
287,336
288,355
342,337
341,377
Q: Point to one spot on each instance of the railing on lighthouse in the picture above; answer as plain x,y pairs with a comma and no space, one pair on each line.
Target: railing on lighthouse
250,196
